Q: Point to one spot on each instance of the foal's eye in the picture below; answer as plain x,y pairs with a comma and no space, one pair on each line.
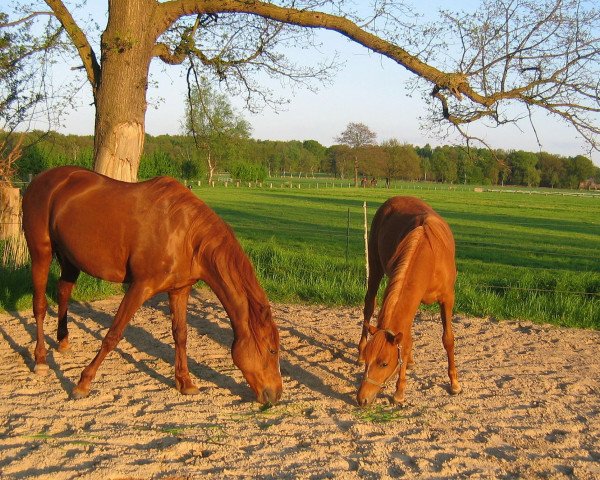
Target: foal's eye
272,351
384,364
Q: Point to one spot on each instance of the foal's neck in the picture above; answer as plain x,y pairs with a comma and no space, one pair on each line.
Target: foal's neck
408,281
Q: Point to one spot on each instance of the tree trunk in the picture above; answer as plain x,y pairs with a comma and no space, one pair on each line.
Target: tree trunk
10,212
127,46
356,171
211,168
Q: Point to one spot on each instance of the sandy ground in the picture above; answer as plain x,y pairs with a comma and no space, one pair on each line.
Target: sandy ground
529,409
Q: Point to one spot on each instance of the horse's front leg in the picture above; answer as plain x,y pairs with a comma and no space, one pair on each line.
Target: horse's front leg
178,303
134,298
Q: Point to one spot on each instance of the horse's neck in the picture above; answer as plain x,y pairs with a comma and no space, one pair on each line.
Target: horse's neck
229,275
408,282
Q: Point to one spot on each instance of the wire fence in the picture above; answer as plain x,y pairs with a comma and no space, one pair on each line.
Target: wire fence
491,248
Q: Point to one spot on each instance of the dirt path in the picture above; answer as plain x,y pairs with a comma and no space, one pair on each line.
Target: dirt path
529,409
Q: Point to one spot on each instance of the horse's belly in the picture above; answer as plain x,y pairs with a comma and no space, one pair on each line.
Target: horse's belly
92,253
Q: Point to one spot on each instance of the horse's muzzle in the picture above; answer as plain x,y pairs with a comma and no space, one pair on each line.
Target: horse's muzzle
269,395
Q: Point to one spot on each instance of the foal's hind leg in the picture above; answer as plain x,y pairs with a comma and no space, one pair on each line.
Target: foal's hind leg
448,341
41,257
178,303
66,282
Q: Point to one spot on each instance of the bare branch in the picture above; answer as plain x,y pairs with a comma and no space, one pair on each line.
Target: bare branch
86,53
24,19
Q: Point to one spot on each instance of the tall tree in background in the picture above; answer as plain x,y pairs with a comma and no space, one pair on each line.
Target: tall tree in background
541,55
356,135
212,121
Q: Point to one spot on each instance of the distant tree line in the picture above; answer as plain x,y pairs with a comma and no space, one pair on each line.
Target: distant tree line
250,159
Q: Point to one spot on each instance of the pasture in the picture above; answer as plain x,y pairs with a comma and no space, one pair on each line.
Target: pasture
520,255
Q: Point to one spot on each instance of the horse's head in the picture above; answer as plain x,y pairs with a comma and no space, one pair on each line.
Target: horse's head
257,356
383,358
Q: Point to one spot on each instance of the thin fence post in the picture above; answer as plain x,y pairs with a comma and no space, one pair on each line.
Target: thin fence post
347,236
366,243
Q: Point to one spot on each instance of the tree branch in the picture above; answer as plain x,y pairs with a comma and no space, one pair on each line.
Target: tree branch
24,19
456,83
86,53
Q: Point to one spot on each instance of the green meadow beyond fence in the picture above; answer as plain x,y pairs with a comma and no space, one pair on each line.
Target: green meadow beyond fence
521,254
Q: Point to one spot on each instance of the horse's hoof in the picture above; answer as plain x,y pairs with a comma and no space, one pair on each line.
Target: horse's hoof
410,365
189,390
64,348
399,401
193,390
41,369
455,390
79,393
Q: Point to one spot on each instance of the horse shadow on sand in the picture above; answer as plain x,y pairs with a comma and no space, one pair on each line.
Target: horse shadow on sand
216,329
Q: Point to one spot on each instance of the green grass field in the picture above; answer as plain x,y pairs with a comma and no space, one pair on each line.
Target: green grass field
520,256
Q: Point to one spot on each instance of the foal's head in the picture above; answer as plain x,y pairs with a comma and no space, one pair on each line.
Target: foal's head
383,359
257,356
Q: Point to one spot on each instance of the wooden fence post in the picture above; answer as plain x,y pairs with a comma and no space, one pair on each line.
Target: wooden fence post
366,243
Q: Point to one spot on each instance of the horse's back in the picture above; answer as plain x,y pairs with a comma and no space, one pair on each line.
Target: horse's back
397,221
78,211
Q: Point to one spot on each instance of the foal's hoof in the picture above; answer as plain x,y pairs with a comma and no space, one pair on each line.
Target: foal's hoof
400,401
79,393
41,369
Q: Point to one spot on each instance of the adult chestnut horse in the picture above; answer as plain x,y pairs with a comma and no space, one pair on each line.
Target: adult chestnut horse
414,246
157,236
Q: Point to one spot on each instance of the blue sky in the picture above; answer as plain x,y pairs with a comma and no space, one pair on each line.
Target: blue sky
368,88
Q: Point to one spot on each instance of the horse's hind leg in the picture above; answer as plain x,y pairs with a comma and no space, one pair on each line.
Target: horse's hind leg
66,282
448,341
41,257
178,303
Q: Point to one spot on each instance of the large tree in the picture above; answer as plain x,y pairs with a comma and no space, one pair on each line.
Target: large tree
212,121
540,54
357,135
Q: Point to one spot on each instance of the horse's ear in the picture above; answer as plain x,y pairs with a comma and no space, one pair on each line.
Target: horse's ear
398,338
372,329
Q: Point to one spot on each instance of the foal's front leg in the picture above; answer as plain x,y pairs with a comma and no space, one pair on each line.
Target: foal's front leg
375,276
406,355
178,303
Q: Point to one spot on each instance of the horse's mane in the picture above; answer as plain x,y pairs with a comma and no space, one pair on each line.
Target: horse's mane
433,230
439,234
399,264
215,239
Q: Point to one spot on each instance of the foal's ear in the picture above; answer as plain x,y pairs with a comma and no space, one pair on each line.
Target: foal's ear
372,329
398,338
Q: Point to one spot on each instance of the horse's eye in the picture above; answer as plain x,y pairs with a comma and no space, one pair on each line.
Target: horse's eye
272,351
384,364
